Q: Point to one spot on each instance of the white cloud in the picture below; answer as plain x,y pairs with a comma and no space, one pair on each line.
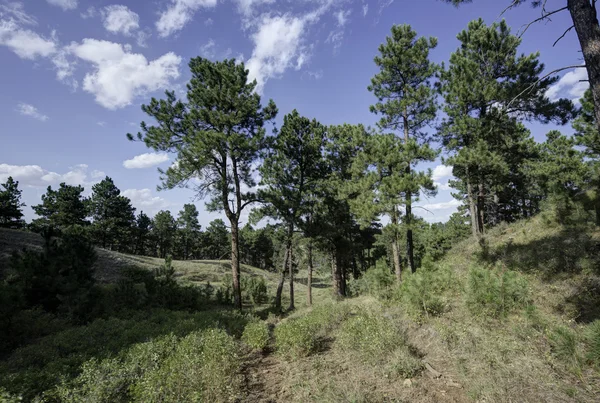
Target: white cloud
101,123
64,4
441,171
335,38
89,13
143,200
208,49
36,176
24,42
145,160
120,75
120,19
208,22
248,7
342,17
365,9
31,111
442,186
317,75
98,174
16,11
442,206
572,86
277,47
178,14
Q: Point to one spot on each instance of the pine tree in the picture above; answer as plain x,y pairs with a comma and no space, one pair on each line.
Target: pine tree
11,214
289,173
217,134
164,230
381,184
189,229
61,208
584,15
406,101
112,214
142,231
488,88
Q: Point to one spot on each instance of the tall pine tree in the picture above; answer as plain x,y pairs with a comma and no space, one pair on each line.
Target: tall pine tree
217,134
406,101
11,214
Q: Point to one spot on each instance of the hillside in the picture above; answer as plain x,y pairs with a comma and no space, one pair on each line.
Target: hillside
531,347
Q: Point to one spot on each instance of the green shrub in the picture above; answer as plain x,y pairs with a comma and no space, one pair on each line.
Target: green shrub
375,281
422,293
564,343
254,289
202,366
403,364
6,397
296,338
593,342
496,293
369,335
256,335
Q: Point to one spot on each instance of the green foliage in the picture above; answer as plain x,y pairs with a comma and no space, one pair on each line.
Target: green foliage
164,230
202,366
112,215
11,212
254,289
565,346
60,278
422,293
369,335
216,240
592,337
38,367
496,293
61,208
256,335
375,281
300,337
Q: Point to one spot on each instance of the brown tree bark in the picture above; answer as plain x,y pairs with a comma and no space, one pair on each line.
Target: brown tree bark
408,219
585,21
281,281
309,276
336,275
472,207
396,258
480,209
291,272
235,264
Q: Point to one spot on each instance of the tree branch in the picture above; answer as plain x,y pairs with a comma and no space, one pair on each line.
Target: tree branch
563,35
540,80
543,17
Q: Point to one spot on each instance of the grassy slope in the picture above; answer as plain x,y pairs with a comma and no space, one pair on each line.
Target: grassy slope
481,359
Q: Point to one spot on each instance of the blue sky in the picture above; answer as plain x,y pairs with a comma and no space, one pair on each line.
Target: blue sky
75,72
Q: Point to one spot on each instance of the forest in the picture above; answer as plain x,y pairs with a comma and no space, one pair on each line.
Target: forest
323,282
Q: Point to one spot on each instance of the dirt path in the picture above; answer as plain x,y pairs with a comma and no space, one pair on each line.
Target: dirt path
263,374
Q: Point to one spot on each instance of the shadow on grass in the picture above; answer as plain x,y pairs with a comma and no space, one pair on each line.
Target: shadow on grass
40,366
570,251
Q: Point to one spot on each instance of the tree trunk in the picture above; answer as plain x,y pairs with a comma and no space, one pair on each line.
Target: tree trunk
585,20
396,248
408,219
472,208
337,278
291,271
281,281
309,275
480,209
597,206
235,264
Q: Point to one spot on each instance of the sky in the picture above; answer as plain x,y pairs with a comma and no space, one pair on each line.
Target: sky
74,74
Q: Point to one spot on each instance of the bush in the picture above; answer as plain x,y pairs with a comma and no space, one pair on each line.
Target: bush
299,337
403,364
495,293
296,338
256,335
369,335
254,289
593,343
202,366
564,343
421,293
375,281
